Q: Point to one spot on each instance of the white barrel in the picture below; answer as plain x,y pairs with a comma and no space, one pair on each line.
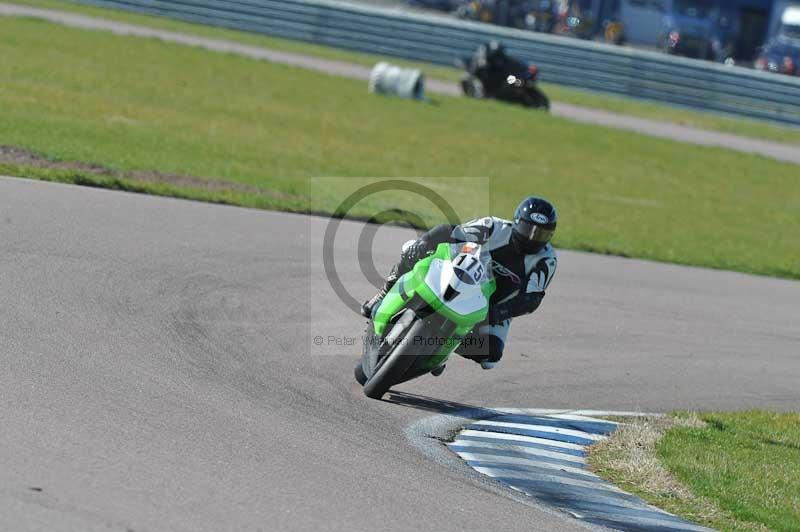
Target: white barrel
395,81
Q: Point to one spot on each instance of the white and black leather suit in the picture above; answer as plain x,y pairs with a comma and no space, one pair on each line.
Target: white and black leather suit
522,278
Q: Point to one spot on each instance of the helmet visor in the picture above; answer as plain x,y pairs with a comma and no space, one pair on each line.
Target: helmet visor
531,232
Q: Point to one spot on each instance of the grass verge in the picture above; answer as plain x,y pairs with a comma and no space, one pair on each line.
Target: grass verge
731,471
183,121
629,106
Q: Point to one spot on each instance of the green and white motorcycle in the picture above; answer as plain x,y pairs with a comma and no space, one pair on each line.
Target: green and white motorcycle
425,315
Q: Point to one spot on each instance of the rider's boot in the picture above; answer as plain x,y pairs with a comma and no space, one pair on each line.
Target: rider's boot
368,306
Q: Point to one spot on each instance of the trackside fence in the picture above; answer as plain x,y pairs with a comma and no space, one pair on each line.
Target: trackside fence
442,39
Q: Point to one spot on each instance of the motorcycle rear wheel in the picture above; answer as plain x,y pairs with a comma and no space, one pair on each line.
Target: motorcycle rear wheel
472,87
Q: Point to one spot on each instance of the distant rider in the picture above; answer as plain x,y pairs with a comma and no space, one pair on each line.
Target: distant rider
491,64
523,262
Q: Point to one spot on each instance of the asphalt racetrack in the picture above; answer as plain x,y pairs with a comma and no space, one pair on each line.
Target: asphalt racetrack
158,371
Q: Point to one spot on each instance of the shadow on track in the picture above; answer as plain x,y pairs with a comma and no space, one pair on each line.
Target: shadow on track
440,406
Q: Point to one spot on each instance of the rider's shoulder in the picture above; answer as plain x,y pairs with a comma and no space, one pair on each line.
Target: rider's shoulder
498,225
488,221
548,252
479,229
546,255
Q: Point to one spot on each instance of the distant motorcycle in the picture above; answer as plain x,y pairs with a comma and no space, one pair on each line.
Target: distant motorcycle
517,83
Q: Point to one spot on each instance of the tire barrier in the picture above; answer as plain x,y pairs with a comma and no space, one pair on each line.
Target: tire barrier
392,80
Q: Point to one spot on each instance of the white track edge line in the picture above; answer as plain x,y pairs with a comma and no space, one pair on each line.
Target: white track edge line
542,477
518,437
542,428
477,456
506,446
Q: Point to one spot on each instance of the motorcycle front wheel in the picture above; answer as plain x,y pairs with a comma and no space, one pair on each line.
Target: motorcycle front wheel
393,366
536,98
360,376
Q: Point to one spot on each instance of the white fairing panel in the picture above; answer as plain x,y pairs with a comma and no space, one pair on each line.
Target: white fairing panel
441,276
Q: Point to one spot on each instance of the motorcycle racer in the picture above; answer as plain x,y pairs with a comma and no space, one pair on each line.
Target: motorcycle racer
523,262
491,64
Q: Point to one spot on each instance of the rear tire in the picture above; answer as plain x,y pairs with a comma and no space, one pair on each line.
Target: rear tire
472,87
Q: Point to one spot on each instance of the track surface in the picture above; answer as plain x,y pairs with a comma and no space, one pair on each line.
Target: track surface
158,371
654,128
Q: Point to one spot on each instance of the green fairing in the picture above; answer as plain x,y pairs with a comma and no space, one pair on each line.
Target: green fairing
412,283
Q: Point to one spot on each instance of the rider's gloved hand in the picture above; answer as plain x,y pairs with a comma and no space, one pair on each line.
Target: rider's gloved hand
414,250
523,304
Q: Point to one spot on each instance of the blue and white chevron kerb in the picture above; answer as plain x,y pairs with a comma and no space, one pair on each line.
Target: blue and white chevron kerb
544,456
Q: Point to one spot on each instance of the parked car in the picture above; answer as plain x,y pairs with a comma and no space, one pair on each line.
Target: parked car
703,29
782,53
719,30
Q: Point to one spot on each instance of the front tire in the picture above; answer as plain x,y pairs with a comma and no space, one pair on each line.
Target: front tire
536,98
361,377
397,363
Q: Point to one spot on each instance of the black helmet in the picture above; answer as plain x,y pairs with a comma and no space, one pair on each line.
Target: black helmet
534,224
495,47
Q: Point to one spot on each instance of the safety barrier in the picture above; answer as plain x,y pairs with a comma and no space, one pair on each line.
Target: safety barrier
395,81
442,40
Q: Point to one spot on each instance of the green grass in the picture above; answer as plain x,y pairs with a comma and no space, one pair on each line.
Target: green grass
134,104
640,108
678,115
729,471
747,463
